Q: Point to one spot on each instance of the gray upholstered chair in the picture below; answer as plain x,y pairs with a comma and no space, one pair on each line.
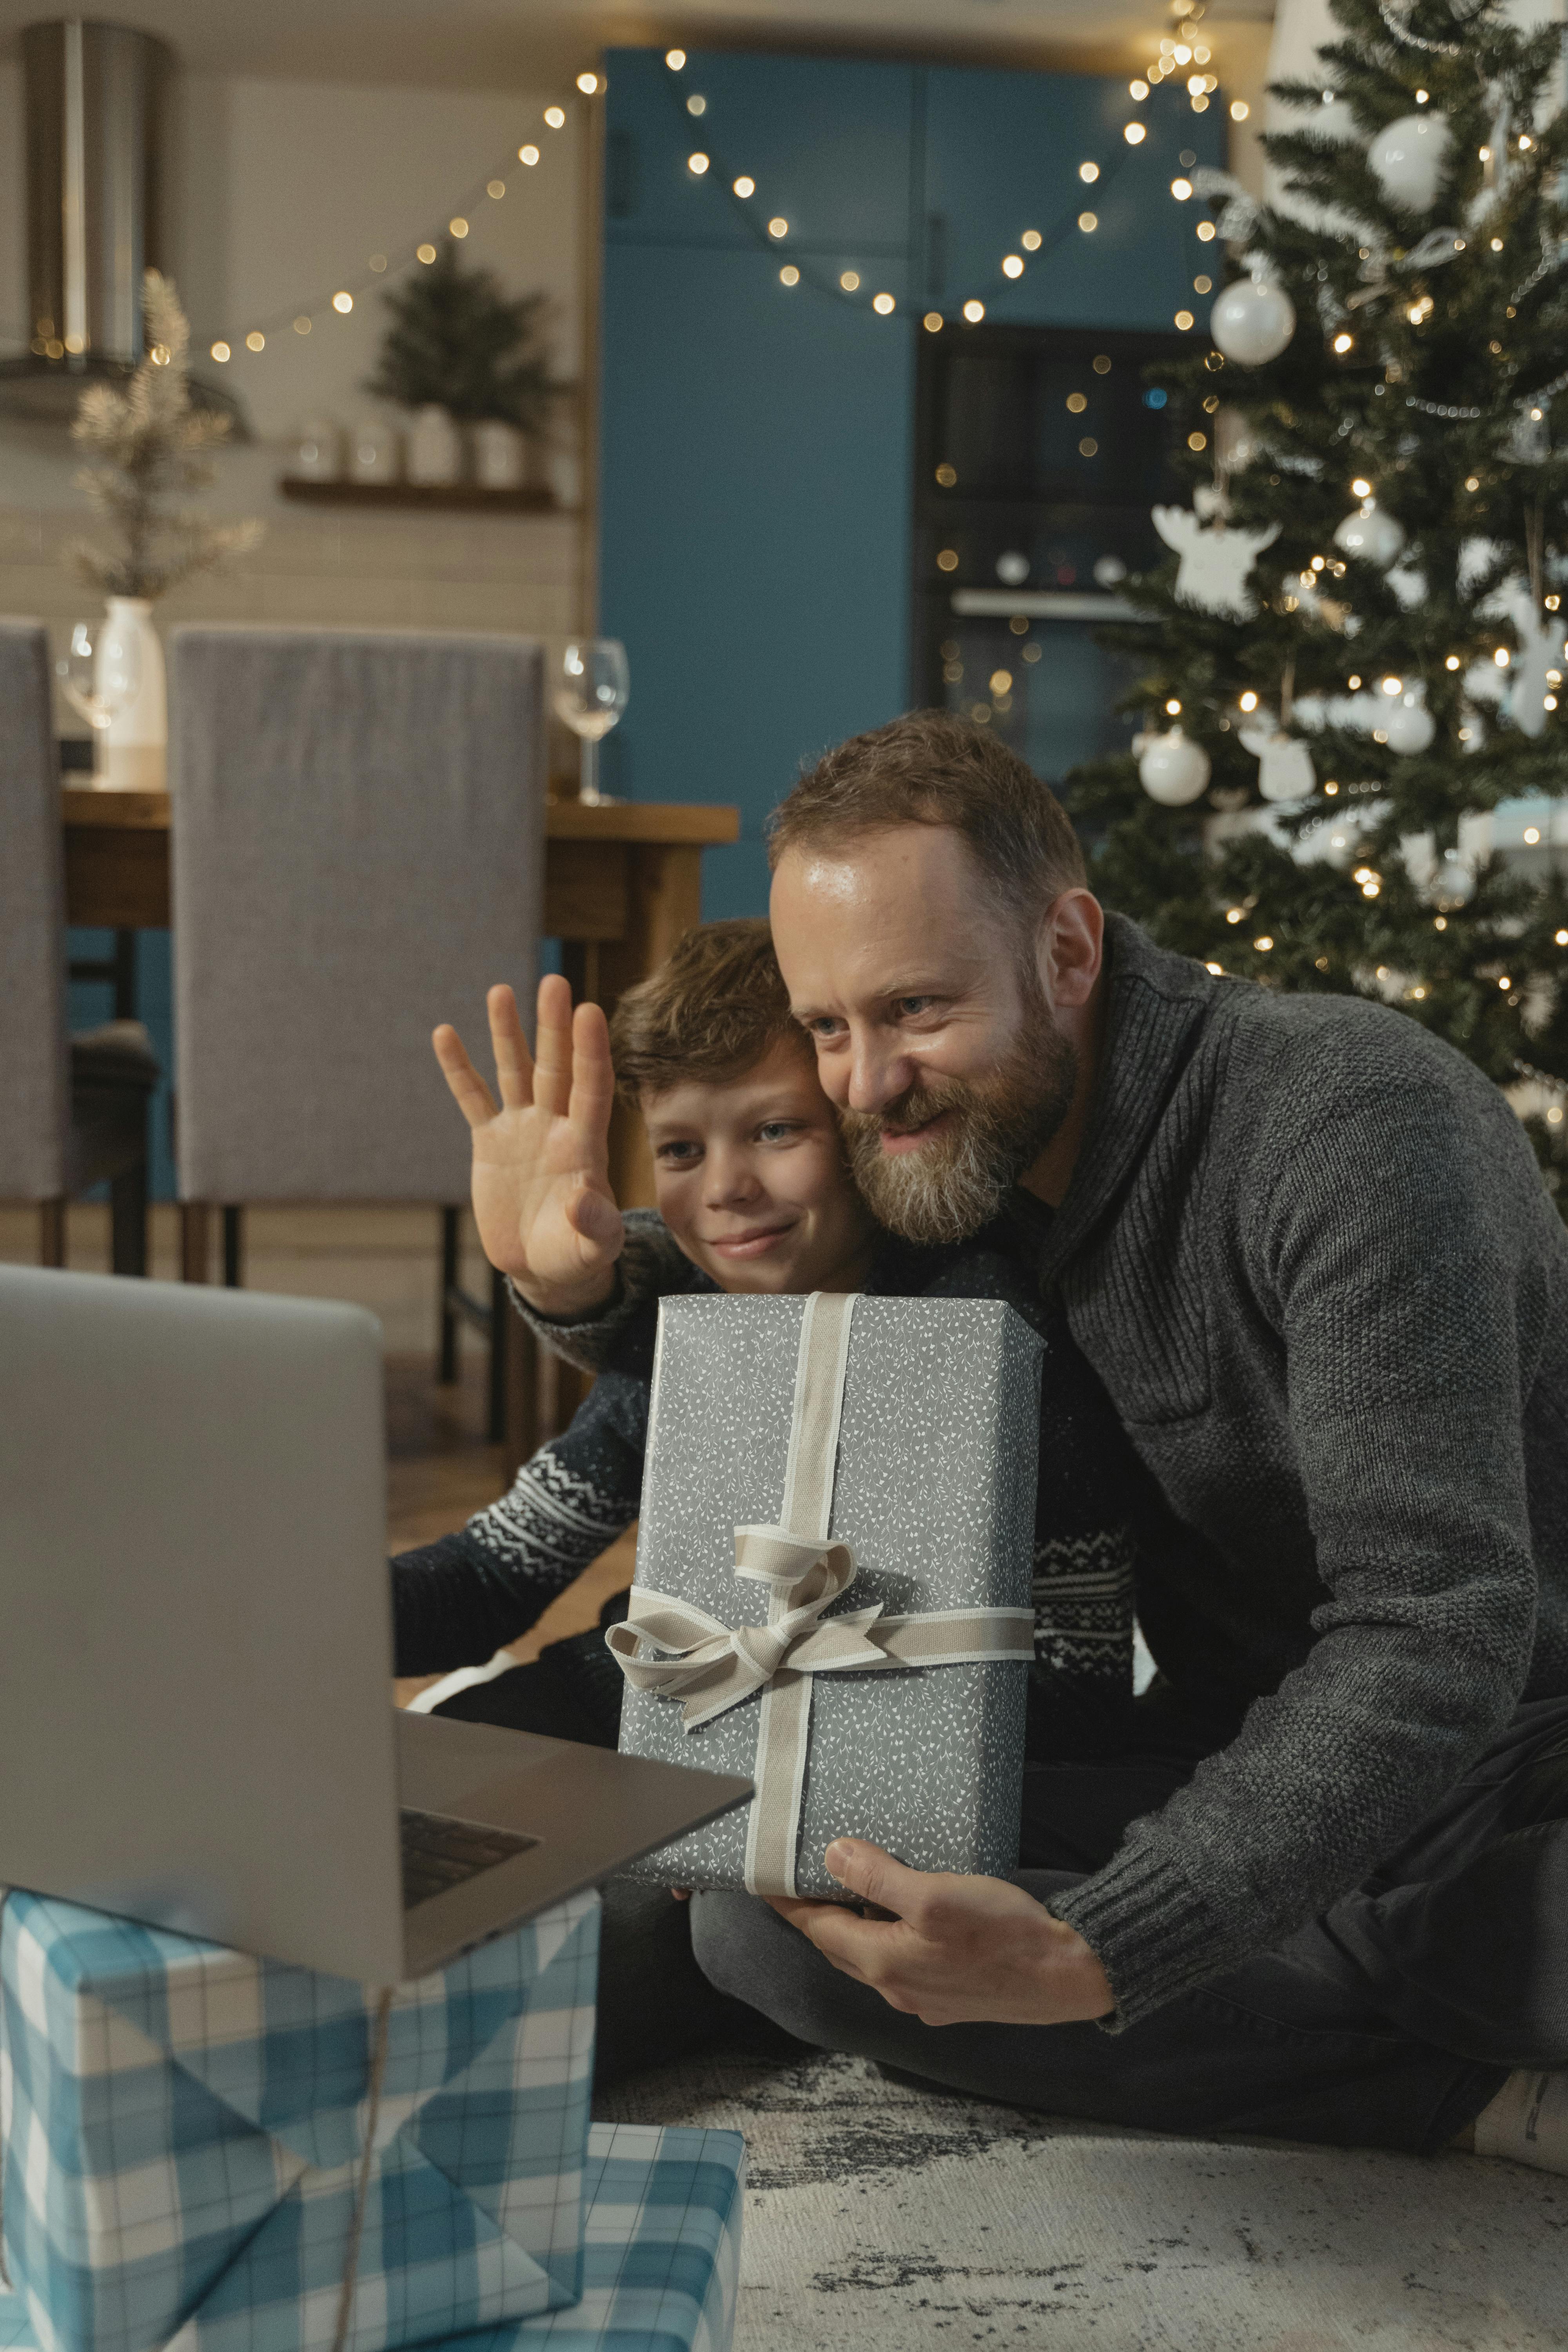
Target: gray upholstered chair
73,1110
358,841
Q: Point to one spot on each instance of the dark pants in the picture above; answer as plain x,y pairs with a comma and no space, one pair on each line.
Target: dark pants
1389,2021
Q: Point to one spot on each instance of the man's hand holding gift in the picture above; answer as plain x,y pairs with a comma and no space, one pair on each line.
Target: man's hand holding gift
950,1950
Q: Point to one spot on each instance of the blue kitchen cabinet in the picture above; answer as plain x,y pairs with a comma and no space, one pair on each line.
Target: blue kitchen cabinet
829,144
756,441
1001,154
755,487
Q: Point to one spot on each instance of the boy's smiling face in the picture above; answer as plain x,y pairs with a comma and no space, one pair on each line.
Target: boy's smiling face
751,1181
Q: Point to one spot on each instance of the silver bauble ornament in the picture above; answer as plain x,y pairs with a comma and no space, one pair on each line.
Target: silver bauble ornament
1409,725
1408,159
1453,884
1371,533
1172,768
1252,322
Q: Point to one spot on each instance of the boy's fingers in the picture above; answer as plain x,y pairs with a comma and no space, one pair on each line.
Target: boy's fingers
593,1074
469,1091
515,1064
553,1064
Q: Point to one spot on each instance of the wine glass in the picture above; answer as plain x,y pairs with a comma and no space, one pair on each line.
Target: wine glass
590,691
100,672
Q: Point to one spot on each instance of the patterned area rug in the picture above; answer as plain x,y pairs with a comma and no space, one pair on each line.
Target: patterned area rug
887,2217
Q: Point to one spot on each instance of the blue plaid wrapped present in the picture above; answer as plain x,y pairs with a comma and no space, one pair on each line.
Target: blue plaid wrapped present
202,2147
662,2257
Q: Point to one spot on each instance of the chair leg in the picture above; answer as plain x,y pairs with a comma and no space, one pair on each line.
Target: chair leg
446,1326
501,1315
51,1233
128,1220
233,1248
193,1240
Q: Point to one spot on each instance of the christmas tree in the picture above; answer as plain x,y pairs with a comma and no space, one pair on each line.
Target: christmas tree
1358,654
457,342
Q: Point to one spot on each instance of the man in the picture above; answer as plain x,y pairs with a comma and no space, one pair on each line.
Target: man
1306,1249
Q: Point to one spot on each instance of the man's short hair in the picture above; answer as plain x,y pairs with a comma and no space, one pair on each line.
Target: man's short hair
931,768
714,1008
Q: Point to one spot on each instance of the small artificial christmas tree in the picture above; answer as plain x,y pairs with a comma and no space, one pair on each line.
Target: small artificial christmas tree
151,437
457,342
1361,652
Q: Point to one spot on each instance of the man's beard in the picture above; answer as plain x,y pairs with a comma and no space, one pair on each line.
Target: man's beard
946,1190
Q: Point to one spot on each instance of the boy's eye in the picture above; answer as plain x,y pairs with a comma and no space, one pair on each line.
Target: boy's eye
679,1155
779,1131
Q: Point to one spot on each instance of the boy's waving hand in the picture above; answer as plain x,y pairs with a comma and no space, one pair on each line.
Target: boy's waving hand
542,1202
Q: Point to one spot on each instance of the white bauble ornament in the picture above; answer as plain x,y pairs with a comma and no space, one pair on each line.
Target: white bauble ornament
1215,561
1453,884
1407,724
1370,533
1251,322
1285,770
1408,159
1172,768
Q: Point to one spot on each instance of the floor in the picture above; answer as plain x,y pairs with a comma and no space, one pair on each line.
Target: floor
441,1468
883,2215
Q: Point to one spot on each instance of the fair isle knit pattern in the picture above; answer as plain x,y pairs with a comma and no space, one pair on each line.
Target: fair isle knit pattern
1083,1605
553,1516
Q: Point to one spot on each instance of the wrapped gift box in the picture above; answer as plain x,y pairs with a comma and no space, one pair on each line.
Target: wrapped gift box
661,2251
188,2133
833,1580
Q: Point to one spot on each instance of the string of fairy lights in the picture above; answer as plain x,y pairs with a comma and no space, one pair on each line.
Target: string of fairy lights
770,230
492,188
1180,53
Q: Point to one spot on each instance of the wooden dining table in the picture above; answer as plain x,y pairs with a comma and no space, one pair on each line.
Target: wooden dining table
622,882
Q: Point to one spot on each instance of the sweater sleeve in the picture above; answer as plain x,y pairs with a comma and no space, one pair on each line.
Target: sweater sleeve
651,1267
456,1601
1391,1247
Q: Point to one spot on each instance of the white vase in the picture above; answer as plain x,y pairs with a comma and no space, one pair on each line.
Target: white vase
373,452
132,749
498,455
435,449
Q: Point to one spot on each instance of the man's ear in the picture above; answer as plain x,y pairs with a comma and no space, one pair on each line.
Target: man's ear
1071,948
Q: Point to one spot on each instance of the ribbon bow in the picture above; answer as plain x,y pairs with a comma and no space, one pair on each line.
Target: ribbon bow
713,1666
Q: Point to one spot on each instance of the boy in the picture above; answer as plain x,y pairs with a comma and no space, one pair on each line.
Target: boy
752,1185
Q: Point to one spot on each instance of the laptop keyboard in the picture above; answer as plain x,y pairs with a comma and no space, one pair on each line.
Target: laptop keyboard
440,1854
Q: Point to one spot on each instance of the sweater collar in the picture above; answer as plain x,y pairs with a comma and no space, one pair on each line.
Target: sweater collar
1157,1007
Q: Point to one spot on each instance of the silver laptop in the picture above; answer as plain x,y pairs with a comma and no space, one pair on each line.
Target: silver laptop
196,1725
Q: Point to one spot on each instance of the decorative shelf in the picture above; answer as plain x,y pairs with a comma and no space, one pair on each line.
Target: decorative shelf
447,498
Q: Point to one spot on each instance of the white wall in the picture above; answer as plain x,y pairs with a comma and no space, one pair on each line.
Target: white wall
281,192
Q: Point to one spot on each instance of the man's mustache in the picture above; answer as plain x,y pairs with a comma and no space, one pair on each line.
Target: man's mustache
908,1112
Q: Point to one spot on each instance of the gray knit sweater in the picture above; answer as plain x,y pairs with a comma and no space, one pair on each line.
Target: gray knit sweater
1308,1251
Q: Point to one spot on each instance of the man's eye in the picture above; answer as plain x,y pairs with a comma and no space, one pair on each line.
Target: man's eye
907,1007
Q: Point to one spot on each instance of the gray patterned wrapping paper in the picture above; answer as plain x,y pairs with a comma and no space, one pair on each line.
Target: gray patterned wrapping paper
935,1491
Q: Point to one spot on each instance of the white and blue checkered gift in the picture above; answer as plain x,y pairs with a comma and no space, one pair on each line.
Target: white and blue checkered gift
661,2258
182,2138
